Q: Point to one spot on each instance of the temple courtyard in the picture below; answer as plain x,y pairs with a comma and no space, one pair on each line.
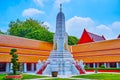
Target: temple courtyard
92,58
93,76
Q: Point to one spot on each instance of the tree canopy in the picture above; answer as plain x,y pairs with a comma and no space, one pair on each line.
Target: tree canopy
33,29
43,35
1,32
72,40
22,28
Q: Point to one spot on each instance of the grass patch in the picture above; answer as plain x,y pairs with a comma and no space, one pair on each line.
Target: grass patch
99,76
28,76
102,68
25,76
2,76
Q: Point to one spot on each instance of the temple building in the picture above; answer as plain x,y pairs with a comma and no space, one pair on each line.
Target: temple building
118,36
39,56
90,37
60,58
93,54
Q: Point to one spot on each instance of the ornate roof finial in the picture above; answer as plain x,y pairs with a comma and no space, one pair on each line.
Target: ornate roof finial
60,7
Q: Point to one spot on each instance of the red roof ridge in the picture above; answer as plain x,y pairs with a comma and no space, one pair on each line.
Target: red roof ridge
94,34
118,36
97,42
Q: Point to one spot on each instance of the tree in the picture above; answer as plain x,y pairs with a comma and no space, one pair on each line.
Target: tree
72,40
42,35
22,28
33,29
1,32
14,60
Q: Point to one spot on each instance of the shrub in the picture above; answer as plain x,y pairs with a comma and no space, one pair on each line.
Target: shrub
86,66
14,60
102,66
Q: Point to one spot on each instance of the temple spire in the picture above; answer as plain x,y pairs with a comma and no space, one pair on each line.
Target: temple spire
60,7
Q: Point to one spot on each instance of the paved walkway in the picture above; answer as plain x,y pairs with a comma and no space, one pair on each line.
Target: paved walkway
62,76
61,79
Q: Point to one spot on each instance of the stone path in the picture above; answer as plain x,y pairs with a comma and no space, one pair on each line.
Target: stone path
61,79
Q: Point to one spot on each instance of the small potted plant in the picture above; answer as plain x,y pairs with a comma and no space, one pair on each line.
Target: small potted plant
54,73
96,70
14,60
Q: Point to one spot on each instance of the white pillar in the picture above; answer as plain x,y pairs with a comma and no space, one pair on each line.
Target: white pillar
25,67
93,65
108,65
97,65
88,64
7,67
117,65
32,67
11,67
105,65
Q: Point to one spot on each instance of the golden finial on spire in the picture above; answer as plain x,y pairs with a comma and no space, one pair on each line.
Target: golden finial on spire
60,7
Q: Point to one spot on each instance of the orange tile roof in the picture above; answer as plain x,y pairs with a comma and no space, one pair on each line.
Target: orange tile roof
98,53
104,51
97,59
19,42
25,51
22,58
107,44
33,50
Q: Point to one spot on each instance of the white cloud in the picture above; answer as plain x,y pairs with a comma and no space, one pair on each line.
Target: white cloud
39,2
104,30
116,25
47,24
30,12
58,2
51,28
75,26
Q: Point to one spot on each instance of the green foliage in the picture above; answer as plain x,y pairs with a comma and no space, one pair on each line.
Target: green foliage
85,66
72,40
42,35
22,28
14,60
1,32
33,29
102,66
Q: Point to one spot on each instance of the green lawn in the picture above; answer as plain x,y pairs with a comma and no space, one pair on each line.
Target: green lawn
28,76
2,76
25,76
100,76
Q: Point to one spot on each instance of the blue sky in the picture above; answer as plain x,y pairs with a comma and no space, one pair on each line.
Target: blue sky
101,17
